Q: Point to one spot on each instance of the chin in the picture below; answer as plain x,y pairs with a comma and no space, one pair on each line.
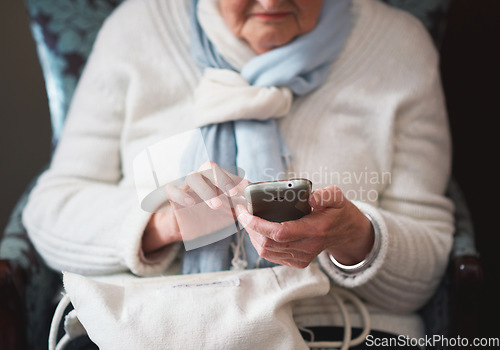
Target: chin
263,37
268,45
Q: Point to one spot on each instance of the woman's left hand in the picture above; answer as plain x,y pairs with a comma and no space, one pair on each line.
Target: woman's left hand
335,225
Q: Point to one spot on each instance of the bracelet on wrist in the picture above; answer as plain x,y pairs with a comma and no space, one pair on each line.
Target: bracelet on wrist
351,270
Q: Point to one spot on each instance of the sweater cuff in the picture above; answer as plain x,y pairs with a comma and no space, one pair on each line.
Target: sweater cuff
131,247
377,256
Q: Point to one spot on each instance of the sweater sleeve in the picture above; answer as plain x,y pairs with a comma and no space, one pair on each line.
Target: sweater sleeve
81,216
412,215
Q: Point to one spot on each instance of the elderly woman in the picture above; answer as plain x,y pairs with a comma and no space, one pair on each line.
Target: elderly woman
346,93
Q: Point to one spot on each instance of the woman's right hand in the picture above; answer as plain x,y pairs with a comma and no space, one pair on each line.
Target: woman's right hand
197,208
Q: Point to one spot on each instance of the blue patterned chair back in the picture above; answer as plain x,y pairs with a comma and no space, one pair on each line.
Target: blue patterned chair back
65,30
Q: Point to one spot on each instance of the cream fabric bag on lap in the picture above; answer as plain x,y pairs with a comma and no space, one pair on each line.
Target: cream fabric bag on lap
248,309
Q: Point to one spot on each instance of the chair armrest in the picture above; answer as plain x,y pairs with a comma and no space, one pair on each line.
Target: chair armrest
453,308
28,288
12,284
463,243
467,277
465,270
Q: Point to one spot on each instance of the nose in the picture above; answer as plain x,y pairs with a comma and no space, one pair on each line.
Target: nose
270,4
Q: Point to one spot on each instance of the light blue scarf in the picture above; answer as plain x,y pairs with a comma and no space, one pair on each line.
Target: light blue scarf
253,145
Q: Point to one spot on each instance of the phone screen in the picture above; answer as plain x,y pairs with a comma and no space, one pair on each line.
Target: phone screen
279,201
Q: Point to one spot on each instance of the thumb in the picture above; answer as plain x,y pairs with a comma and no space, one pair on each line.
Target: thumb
328,197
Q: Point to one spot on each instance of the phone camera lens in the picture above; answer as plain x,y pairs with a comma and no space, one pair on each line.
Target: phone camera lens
289,184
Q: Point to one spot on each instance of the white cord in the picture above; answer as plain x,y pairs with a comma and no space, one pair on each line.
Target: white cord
344,344
365,316
347,341
237,263
308,331
54,326
63,342
257,264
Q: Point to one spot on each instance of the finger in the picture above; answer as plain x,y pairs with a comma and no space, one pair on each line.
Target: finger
270,254
219,178
240,182
293,248
295,263
288,231
328,197
240,186
284,260
231,172
179,196
256,224
262,242
199,185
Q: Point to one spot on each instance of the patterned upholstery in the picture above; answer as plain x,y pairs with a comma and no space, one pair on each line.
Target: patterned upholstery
64,31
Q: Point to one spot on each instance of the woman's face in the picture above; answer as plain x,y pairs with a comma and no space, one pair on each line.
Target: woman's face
267,24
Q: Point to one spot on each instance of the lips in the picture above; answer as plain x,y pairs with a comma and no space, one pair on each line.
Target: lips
271,16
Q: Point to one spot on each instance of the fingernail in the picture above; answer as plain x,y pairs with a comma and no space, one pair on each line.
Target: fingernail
231,191
244,218
317,198
189,201
239,209
215,203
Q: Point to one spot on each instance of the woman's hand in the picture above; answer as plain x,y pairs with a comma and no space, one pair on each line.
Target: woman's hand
206,184
335,225
197,208
162,229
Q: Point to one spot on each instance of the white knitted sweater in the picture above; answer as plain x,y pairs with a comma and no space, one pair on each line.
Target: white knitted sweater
377,128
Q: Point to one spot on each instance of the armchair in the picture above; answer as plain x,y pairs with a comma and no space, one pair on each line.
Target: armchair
64,32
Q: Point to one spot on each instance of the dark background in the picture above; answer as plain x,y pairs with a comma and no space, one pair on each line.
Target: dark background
471,79
470,66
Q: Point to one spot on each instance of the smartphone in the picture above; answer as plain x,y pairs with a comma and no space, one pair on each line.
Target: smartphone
279,201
